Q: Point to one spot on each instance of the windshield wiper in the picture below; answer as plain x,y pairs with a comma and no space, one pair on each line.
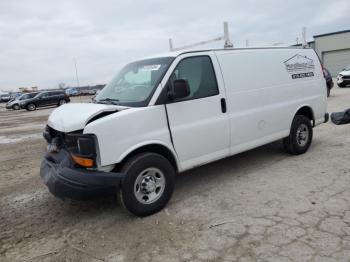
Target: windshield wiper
108,100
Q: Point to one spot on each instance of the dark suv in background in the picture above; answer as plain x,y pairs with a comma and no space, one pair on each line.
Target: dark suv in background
14,103
48,98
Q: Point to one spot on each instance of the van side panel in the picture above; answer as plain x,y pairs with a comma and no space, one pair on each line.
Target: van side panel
120,133
263,95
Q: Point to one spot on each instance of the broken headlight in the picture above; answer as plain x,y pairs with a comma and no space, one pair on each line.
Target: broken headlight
82,149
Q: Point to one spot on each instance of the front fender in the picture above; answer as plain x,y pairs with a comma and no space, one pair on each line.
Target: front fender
121,133
149,143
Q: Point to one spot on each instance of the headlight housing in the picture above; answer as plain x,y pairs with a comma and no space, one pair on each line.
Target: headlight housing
82,149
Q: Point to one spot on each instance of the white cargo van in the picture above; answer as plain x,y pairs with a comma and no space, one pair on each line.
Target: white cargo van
165,114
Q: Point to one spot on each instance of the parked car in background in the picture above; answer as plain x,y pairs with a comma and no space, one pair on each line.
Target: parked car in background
72,92
87,92
5,97
91,92
343,78
9,96
329,81
16,95
48,98
14,103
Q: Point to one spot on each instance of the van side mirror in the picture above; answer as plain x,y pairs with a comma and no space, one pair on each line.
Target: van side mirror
181,89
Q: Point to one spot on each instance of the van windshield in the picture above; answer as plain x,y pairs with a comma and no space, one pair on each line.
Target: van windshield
135,84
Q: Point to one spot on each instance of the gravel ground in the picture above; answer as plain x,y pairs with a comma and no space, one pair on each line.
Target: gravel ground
262,205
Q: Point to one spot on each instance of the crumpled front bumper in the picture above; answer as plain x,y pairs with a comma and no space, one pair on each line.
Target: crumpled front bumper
64,180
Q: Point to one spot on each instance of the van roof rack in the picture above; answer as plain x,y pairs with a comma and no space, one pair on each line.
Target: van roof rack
225,37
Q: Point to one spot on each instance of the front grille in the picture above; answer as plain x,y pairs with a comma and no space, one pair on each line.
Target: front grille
53,136
61,139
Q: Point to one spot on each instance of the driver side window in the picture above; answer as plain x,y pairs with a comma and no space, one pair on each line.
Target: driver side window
199,73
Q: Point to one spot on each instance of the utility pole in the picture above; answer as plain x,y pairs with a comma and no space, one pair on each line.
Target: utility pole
76,71
76,74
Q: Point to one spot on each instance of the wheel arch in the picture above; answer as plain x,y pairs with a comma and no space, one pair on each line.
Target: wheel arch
153,147
34,103
306,110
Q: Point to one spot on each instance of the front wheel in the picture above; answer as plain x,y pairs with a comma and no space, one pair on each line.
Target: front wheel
300,137
15,107
148,184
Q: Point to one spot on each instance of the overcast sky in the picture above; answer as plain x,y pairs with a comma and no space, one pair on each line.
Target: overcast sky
39,39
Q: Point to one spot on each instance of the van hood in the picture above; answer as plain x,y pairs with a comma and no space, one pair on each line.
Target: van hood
73,117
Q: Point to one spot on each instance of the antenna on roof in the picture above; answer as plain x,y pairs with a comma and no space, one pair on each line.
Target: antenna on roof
225,37
303,35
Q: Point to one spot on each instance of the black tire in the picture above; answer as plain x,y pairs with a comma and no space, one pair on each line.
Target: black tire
61,102
31,107
134,169
328,92
342,85
16,107
296,143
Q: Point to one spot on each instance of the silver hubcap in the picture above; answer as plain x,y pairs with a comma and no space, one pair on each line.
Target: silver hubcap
149,185
31,107
302,135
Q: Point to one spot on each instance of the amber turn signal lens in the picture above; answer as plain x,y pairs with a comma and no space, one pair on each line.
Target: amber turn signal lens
85,162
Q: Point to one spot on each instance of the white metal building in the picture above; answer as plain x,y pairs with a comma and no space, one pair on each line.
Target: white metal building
334,50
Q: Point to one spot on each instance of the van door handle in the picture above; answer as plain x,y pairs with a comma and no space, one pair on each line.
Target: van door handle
223,105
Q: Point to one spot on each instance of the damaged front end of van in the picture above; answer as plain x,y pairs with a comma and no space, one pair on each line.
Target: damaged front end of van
70,166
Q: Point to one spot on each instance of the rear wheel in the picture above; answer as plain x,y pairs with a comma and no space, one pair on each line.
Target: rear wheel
31,107
148,184
341,85
15,107
300,137
61,102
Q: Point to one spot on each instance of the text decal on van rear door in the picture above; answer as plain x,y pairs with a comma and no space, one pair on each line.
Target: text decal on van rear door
299,65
